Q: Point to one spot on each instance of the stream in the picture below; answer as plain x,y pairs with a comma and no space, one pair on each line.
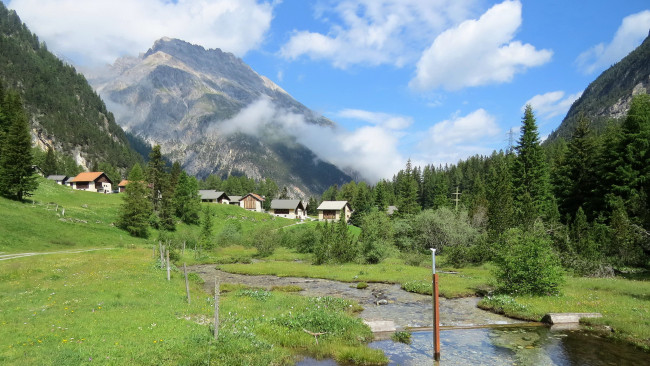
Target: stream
470,336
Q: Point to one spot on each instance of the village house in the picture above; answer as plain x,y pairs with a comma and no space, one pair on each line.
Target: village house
234,200
291,209
122,186
252,202
334,211
208,195
91,181
59,179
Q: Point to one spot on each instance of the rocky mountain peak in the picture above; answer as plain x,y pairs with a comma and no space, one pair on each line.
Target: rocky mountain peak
181,96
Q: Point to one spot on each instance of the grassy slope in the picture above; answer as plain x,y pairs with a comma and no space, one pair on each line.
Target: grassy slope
116,307
39,226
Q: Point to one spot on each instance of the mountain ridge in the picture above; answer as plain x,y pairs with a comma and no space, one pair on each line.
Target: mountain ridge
610,94
215,114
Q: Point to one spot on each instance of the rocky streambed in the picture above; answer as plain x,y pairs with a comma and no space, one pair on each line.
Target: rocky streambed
382,302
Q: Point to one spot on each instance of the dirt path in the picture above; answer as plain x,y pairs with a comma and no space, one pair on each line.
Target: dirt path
4,257
404,309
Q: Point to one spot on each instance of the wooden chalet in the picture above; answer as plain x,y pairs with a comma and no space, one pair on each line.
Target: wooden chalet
208,195
252,202
291,209
91,181
334,211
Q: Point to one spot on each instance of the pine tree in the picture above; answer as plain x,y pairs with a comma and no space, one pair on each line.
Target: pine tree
17,177
576,179
531,174
136,208
633,160
156,176
49,165
499,196
312,207
187,203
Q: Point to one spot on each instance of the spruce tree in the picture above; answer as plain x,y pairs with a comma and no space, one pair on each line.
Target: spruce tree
576,179
499,195
136,209
187,203
49,165
17,177
156,176
530,174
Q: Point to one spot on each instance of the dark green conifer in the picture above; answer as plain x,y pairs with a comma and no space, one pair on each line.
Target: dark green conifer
531,174
136,209
17,177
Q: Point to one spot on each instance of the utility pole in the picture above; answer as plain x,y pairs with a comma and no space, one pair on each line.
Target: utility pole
456,199
511,139
436,309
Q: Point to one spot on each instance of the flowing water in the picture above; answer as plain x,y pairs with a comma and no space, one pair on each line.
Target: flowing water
504,341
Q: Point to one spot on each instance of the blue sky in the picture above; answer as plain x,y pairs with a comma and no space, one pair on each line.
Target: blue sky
434,81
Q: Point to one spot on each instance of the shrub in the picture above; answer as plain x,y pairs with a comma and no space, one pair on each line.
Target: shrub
265,242
231,233
527,264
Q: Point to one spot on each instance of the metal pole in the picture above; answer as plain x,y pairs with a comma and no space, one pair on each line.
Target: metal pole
436,309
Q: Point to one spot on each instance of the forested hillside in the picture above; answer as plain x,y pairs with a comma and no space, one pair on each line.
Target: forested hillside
587,199
64,111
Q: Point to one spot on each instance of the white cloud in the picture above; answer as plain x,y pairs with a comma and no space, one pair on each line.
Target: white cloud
390,121
370,150
478,52
99,31
551,104
632,31
375,32
458,138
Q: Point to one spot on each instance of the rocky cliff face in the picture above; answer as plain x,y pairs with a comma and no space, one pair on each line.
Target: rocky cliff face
609,96
200,106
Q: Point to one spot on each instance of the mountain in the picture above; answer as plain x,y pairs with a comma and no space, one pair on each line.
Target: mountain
214,114
609,96
65,112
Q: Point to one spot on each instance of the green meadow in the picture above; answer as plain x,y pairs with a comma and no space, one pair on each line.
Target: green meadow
115,306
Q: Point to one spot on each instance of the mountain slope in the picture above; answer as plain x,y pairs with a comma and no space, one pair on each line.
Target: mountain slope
214,114
609,96
65,112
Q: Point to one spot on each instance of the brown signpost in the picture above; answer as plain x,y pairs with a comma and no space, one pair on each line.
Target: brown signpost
436,309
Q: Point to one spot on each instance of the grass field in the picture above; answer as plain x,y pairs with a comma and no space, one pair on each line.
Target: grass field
115,306
43,226
624,304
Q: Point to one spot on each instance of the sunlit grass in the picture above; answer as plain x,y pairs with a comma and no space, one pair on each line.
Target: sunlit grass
116,307
624,304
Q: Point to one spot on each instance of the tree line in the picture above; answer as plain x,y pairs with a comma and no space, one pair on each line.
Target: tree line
158,196
583,201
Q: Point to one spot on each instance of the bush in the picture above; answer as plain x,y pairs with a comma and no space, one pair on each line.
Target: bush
265,242
231,233
527,264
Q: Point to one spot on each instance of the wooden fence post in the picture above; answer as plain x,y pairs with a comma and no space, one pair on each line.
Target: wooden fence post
168,264
183,247
216,307
187,284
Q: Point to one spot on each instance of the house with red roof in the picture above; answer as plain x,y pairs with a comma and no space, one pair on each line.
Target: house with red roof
91,181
